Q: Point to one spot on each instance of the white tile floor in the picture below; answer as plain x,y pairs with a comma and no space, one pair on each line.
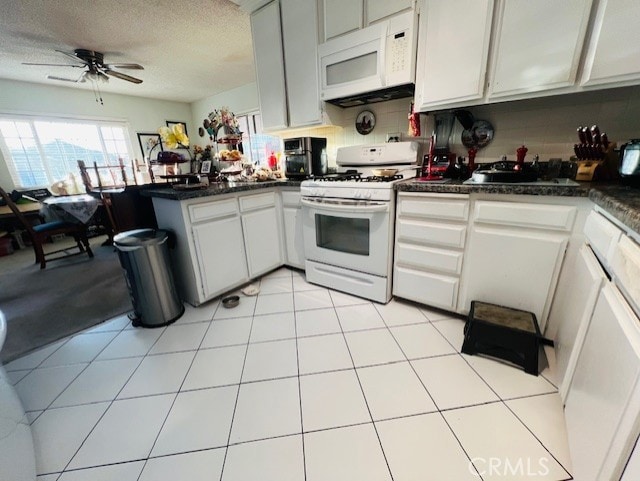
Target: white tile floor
298,383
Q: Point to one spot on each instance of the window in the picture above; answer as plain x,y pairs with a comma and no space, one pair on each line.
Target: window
39,152
257,146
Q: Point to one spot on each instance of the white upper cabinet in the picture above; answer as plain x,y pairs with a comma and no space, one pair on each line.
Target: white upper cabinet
285,45
301,60
269,63
538,46
453,46
612,53
341,16
379,9
344,16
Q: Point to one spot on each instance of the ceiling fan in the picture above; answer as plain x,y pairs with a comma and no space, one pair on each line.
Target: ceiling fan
95,68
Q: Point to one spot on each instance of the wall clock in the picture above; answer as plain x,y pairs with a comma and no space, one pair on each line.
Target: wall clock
365,122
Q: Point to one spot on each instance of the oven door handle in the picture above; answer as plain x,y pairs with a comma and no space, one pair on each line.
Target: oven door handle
346,206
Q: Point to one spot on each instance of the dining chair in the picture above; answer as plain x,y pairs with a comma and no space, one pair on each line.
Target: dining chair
40,233
103,219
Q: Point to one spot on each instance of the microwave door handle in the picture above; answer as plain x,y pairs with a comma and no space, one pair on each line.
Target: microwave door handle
346,207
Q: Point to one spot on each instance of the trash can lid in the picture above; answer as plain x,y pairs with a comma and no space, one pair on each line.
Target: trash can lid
140,237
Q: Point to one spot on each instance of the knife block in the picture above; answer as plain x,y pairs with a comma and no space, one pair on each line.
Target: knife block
587,170
599,169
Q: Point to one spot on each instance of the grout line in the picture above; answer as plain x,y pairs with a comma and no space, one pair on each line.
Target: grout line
298,376
186,374
461,446
295,327
364,396
235,405
440,412
537,439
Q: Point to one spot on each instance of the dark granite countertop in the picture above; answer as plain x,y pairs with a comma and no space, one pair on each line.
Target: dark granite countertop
457,187
217,188
621,202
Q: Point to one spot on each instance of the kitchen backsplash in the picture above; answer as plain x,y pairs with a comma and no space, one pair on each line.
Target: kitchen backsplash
547,125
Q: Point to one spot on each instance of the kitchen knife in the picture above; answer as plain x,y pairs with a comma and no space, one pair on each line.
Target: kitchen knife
576,149
605,140
587,135
581,135
595,135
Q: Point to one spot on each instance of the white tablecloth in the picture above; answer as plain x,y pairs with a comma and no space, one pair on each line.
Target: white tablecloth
73,208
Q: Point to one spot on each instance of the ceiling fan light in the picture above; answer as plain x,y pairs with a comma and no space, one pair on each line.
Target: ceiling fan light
93,76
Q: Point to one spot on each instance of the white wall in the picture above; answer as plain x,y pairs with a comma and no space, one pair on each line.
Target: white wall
142,114
547,126
241,100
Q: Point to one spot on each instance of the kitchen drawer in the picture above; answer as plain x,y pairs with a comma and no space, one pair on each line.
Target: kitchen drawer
431,289
448,235
212,210
258,201
440,207
602,235
290,198
537,216
429,258
625,269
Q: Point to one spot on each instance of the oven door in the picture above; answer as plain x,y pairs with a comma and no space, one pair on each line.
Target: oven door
347,233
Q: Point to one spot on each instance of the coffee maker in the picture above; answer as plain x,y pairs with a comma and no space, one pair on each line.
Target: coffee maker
305,157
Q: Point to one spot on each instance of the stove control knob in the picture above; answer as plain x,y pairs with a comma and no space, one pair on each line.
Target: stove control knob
357,195
366,194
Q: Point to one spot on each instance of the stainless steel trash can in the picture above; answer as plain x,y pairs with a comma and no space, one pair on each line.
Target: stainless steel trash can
144,256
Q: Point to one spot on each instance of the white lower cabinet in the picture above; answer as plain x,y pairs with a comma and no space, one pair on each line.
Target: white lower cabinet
573,305
576,294
514,255
430,238
222,243
292,219
598,353
261,229
603,403
221,256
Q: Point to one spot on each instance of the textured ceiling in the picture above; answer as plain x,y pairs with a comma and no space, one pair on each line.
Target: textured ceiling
189,50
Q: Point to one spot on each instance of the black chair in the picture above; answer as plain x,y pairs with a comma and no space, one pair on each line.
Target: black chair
40,233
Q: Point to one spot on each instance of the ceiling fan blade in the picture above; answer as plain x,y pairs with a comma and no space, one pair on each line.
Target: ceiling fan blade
53,77
133,66
70,54
122,76
53,64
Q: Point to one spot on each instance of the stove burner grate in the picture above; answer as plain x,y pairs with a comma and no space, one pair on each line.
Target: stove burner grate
339,177
378,178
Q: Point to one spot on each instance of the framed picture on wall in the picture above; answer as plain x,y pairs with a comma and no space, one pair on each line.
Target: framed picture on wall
206,167
171,123
149,143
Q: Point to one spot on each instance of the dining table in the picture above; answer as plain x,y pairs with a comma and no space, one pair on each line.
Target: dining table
70,208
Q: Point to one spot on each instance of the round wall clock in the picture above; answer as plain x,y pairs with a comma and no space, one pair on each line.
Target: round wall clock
365,122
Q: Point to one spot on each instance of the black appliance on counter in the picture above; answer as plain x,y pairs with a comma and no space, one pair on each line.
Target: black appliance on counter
305,157
630,162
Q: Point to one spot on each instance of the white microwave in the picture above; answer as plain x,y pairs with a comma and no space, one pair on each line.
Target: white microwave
377,58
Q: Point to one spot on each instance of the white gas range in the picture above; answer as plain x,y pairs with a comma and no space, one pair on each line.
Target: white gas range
348,219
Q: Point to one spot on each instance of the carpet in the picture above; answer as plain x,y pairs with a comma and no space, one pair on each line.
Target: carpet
71,294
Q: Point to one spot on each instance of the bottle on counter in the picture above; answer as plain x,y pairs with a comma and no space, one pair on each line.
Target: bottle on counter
272,161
